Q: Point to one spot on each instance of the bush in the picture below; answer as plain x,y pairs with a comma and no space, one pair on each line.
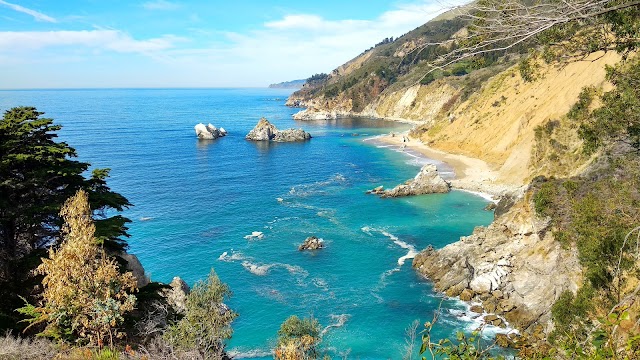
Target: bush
207,320
85,295
298,339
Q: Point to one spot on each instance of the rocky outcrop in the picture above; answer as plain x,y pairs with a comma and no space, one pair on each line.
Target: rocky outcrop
266,131
313,114
311,243
209,132
176,295
291,135
514,267
134,265
428,181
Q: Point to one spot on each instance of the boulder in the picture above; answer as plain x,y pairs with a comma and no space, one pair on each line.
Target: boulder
428,181
266,131
134,265
311,243
209,132
466,295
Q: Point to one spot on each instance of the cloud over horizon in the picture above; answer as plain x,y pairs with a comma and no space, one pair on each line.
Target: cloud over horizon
294,45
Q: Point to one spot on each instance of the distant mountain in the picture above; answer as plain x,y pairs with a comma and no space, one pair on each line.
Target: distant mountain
294,84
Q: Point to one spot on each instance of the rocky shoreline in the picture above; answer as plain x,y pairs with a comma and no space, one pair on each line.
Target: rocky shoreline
513,267
511,271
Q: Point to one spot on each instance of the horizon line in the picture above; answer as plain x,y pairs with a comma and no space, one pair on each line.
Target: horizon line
141,88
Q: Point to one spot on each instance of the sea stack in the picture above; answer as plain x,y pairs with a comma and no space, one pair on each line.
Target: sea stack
428,181
209,132
266,131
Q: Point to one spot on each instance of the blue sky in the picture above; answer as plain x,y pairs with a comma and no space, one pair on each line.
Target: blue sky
191,43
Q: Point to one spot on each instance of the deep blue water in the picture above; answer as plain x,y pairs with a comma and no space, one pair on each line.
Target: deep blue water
196,202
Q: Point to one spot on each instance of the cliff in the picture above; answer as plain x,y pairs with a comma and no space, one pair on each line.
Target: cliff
514,267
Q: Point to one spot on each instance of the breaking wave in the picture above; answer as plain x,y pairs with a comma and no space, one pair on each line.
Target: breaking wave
411,250
339,321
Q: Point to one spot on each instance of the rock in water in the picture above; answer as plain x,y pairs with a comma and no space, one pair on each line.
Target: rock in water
263,131
209,132
514,266
428,181
266,131
291,135
311,243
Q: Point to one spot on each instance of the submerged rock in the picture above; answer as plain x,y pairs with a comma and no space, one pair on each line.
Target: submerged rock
428,181
311,243
209,132
266,131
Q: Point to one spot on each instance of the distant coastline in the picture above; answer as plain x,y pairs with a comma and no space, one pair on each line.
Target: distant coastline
293,84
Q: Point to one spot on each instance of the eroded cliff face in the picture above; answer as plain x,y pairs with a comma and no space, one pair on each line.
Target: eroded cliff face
421,103
497,123
514,267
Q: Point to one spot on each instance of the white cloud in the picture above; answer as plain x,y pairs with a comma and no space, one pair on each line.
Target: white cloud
36,15
294,46
160,5
113,40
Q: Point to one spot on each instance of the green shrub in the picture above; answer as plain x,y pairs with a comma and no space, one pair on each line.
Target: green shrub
207,320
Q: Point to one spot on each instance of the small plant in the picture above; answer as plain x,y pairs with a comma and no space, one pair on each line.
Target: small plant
298,339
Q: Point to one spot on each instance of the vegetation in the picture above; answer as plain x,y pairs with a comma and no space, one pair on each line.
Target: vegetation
298,339
38,175
85,296
207,320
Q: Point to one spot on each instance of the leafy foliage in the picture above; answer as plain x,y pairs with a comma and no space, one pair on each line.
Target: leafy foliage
618,119
298,339
207,321
37,175
85,295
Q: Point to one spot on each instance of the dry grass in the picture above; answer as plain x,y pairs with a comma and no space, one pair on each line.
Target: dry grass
16,348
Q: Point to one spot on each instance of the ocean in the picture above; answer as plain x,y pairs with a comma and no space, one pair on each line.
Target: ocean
242,208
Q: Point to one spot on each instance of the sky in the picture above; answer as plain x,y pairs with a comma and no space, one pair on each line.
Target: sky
191,43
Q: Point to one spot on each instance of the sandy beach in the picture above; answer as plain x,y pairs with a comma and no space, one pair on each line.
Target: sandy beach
471,174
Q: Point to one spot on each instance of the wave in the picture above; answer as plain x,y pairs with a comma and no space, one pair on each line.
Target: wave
235,256
320,283
260,270
339,321
256,235
317,188
476,322
412,252
250,354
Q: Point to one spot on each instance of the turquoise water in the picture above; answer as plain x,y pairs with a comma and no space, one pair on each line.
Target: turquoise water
197,202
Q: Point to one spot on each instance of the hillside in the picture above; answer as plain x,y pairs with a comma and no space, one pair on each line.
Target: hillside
458,109
293,84
547,262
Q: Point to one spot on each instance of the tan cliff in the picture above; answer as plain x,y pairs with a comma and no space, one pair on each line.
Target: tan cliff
497,123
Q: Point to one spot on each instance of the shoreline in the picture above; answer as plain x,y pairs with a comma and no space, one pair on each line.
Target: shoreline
471,175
